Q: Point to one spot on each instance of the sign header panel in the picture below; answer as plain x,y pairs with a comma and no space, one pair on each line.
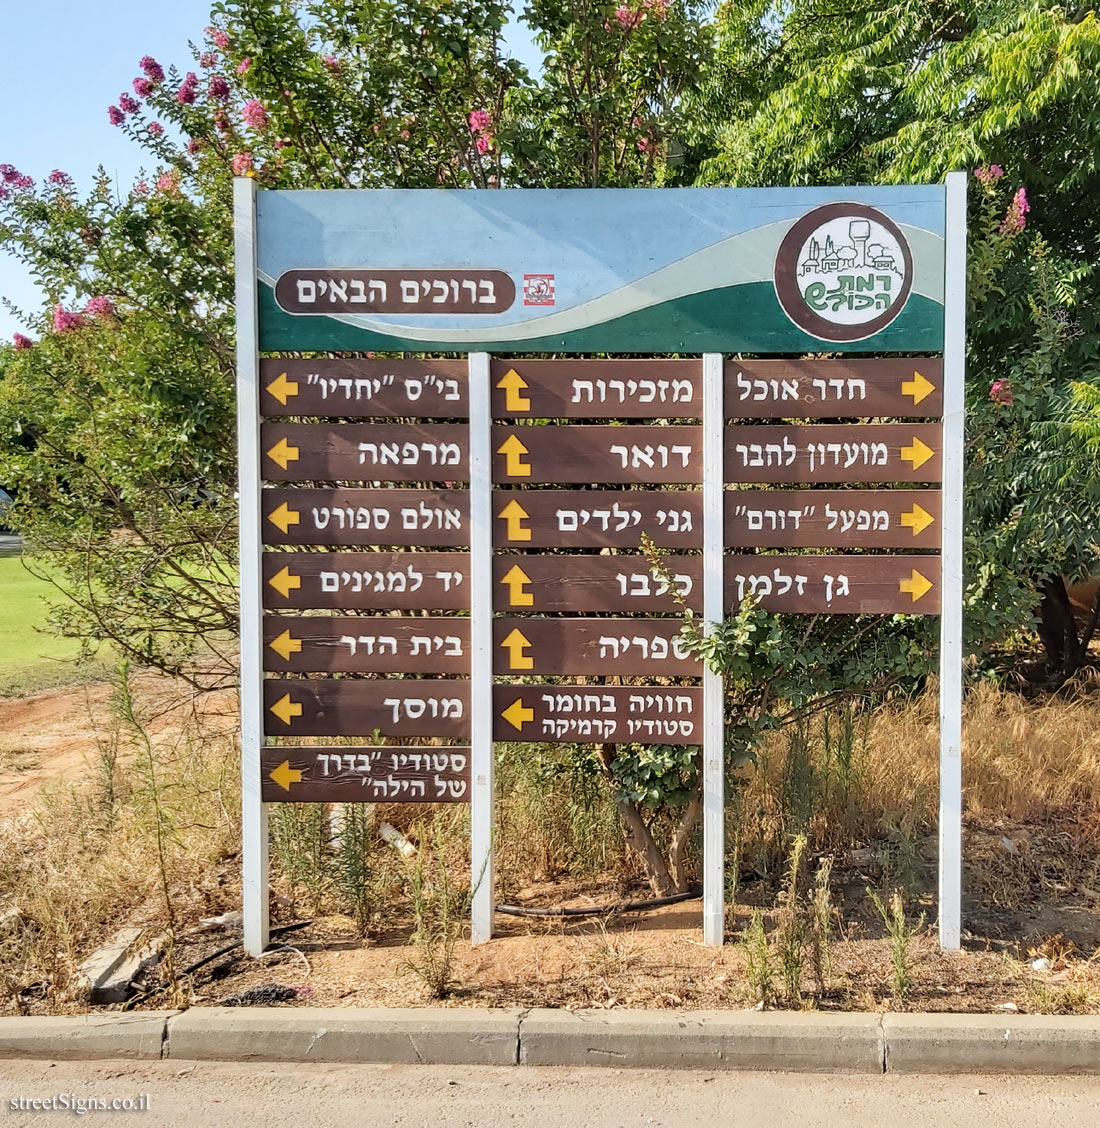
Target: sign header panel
759,270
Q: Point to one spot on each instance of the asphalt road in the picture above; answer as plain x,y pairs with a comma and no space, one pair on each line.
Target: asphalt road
203,1094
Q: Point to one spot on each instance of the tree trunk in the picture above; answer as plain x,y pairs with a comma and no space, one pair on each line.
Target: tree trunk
1057,628
681,837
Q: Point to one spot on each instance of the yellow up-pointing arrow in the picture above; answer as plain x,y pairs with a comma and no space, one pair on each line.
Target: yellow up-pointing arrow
282,517
283,453
918,454
515,643
282,388
514,579
512,383
514,513
918,519
286,645
919,388
284,583
917,585
284,775
514,466
285,709
517,714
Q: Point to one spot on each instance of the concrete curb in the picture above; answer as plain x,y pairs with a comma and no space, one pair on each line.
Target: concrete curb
808,1041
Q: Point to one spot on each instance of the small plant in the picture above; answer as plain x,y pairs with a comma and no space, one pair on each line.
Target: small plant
612,955
821,924
298,833
903,863
440,906
759,966
353,872
791,935
900,933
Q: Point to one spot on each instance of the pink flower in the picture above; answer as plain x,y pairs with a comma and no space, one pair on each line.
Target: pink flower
153,70
141,188
1000,391
484,144
5,192
168,183
196,145
243,65
22,342
189,88
115,116
627,17
989,174
659,8
101,307
405,135
222,122
208,60
1015,219
9,173
65,322
26,182
332,62
218,37
127,104
480,121
242,164
155,129
61,179
219,88
644,144
254,114
142,87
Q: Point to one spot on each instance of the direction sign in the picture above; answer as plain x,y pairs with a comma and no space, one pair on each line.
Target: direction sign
364,452
356,707
359,581
596,389
628,647
831,389
847,452
555,582
366,517
832,518
654,454
580,713
836,585
597,518
366,644
365,775
364,387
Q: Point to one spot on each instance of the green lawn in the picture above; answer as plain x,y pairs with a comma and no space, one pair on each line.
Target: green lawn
31,657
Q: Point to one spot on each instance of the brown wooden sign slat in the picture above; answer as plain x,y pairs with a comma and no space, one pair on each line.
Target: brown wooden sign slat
366,644
367,581
654,454
435,518
836,585
595,713
594,583
903,388
364,452
597,518
845,452
364,388
628,647
354,707
832,518
597,389
343,774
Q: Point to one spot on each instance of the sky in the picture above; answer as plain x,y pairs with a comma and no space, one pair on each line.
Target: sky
65,62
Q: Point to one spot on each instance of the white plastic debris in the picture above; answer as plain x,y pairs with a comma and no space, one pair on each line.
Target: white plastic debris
1041,964
396,839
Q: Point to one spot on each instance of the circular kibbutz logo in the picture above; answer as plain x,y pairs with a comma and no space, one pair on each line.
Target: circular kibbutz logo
843,272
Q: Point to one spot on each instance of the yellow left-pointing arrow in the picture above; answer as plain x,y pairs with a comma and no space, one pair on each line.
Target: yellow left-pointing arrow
517,714
285,709
282,517
514,579
284,583
917,454
514,466
286,645
283,453
284,775
515,642
917,585
282,388
920,388
513,383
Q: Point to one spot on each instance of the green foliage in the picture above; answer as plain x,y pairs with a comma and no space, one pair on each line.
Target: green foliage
900,933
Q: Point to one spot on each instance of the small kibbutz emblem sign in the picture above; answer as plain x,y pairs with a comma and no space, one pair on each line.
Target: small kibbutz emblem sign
538,289
843,272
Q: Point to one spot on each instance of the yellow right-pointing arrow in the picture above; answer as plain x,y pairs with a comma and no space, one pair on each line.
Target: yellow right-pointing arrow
920,387
515,642
283,453
918,519
917,454
917,585
284,583
514,466
282,388
513,383
286,645
514,579
514,514
282,517
284,775
286,710
517,714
